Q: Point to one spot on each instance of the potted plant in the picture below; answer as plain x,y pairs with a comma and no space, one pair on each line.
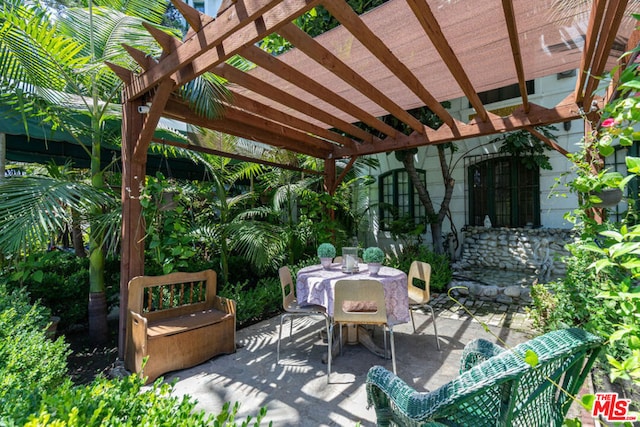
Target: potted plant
374,257
326,253
602,190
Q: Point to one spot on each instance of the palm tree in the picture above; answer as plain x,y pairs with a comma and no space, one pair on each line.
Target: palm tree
55,69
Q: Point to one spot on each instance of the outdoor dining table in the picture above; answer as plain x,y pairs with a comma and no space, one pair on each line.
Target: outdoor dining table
316,285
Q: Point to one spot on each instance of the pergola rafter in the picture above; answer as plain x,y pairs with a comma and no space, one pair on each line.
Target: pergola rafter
402,55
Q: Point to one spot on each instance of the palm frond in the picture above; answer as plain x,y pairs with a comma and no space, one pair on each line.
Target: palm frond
34,53
150,10
205,95
261,243
33,208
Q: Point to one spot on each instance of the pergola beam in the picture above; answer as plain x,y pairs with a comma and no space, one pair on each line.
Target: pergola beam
609,30
255,107
286,72
537,116
433,30
514,40
350,20
285,139
235,156
242,24
332,63
256,85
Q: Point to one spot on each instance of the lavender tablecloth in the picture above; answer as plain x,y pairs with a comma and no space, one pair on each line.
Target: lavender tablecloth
315,285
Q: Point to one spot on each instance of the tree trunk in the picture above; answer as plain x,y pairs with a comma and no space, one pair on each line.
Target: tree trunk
435,219
98,329
97,308
3,154
76,236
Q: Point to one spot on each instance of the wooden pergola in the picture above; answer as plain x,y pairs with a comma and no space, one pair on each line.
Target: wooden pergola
401,55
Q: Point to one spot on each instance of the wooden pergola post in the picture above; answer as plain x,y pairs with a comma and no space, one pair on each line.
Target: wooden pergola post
133,226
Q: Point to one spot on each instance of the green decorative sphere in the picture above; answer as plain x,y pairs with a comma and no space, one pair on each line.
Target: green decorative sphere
326,250
373,255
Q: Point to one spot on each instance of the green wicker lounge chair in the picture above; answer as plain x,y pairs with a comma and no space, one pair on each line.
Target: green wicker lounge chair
496,387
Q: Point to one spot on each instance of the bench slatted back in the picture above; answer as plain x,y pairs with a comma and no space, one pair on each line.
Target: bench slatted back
172,294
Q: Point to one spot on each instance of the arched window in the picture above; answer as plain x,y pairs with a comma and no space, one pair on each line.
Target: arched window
506,190
398,199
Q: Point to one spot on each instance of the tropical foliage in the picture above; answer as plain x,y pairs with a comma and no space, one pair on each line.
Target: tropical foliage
601,290
54,70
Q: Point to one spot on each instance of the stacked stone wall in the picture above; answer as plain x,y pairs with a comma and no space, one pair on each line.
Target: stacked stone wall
501,263
516,249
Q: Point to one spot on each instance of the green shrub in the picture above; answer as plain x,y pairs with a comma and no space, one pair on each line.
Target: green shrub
30,362
35,389
441,273
123,402
254,303
60,281
576,300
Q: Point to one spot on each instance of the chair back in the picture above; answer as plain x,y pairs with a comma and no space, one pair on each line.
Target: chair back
421,271
288,290
501,390
359,301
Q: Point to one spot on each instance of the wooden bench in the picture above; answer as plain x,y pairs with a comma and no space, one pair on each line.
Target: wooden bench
178,322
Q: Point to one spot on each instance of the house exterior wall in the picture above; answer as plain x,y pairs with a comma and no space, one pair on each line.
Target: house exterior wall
555,200
210,6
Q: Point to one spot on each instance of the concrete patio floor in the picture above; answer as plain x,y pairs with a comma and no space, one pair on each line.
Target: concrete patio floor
295,392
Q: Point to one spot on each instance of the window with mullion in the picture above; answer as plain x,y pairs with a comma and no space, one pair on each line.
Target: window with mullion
398,198
504,189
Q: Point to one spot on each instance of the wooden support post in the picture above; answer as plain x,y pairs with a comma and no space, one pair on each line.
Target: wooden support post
330,176
133,226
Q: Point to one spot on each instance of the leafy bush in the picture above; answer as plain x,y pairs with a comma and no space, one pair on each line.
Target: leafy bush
30,363
441,273
123,402
573,301
35,389
60,281
254,303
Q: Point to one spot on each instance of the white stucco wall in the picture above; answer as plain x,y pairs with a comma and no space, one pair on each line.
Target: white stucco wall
554,202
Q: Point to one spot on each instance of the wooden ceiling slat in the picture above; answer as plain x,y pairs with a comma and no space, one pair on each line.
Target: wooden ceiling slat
351,21
276,128
264,110
514,39
194,18
286,72
586,60
123,74
266,24
265,89
324,57
609,30
180,111
241,157
252,133
432,28
168,42
236,17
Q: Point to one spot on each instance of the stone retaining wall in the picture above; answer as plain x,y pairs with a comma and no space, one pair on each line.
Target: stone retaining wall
501,263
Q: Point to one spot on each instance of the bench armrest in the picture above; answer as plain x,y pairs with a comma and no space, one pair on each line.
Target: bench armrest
476,352
137,343
224,304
